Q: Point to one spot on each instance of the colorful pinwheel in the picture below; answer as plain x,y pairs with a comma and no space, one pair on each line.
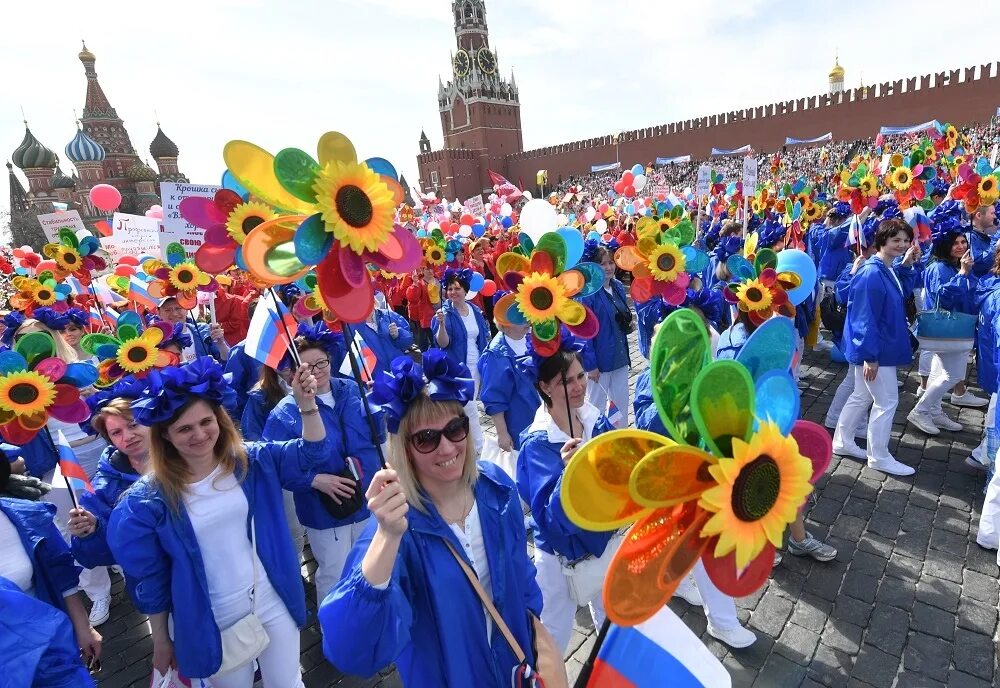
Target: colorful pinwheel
35,385
542,288
132,350
662,263
727,506
906,177
227,220
39,293
977,186
758,289
178,277
75,256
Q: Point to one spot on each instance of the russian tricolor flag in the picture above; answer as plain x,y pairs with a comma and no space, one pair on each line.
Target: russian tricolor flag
72,471
919,222
267,339
615,416
137,292
659,652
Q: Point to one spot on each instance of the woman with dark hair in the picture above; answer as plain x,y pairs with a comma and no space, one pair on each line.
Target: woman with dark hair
877,339
949,283
461,330
203,535
562,423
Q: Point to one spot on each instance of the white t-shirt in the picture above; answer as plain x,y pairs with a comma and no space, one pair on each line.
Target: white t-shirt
472,541
472,332
327,398
192,352
518,346
15,565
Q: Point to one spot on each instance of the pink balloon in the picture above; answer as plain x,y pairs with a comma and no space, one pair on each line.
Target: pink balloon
155,213
105,197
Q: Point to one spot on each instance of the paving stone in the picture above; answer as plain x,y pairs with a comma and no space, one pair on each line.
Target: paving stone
797,643
847,608
974,653
860,586
887,629
771,614
895,592
875,667
830,667
876,544
939,593
979,587
811,612
779,671
871,564
952,543
976,616
886,525
928,656
943,565
932,620
960,679
848,527
842,635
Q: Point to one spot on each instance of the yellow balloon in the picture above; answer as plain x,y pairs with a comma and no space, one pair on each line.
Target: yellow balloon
335,146
253,167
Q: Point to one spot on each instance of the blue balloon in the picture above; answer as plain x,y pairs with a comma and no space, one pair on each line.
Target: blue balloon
611,195
595,235
630,209
229,182
506,222
638,169
574,245
799,262
479,229
382,166
477,282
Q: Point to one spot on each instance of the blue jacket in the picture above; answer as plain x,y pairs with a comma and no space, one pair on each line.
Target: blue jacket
109,485
647,316
246,373
255,415
505,389
382,345
159,550
609,349
876,328
429,620
958,292
982,247
833,251
54,570
987,340
458,337
37,644
201,340
38,456
646,416
539,481
347,434
842,287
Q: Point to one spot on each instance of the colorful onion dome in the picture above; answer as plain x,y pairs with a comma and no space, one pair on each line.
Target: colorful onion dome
140,172
162,147
32,154
84,149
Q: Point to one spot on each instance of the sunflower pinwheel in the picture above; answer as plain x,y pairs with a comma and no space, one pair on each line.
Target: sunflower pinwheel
542,288
758,289
859,187
36,385
178,277
662,263
132,350
977,185
723,490
42,292
75,256
906,177
343,218
948,141
227,219
310,303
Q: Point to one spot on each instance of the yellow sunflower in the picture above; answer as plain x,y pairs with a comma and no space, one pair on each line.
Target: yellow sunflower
901,178
988,190
67,259
666,262
140,354
26,393
542,298
43,295
758,493
245,217
434,255
868,184
951,134
187,277
813,212
753,295
356,205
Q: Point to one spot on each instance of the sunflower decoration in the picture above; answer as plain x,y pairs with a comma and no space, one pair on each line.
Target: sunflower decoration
542,287
723,490
434,254
978,184
762,201
758,289
131,350
36,385
40,292
906,177
663,263
343,213
948,139
74,255
178,277
228,219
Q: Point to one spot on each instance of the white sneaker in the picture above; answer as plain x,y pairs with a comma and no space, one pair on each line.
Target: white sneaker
688,592
920,390
968,400
891,466
853,451
736,637
945,423
100,612
923,422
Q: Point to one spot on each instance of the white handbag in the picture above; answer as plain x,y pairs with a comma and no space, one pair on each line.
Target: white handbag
586,576
246,639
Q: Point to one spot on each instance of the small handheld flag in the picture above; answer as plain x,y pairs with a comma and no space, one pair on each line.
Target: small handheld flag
76,478
614,414
138,293
367,358
268,336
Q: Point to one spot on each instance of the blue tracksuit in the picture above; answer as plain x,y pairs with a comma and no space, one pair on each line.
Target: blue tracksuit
157,547
38,456
114,475
246,372
347,434
458,337
505,389
647,316
609,349
982,247
539,481
429,620
255,415
834,254
957,292
988,334
54,570
646,416
382,345
876,328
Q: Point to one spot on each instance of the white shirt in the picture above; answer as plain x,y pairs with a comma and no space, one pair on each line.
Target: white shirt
472,331
518,346
15,565
589,414
471,537
327,398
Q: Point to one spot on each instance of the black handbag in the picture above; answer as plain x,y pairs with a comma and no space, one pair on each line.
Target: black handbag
350,505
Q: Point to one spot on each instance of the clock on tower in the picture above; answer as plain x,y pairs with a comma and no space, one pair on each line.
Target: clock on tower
461,63
486,61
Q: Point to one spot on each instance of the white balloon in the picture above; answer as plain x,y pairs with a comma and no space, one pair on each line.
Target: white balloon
601,225
538,217
639,182
590,214
465,230
506,210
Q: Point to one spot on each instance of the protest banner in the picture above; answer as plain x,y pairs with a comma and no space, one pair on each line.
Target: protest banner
52,222
175,228
475,206
132,235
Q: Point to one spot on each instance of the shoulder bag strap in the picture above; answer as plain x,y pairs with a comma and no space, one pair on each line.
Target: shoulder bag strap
488,603
253,561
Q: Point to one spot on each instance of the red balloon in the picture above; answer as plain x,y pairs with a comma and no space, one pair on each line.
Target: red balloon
619,187
489,288
627,177
467,219
105,197
628,191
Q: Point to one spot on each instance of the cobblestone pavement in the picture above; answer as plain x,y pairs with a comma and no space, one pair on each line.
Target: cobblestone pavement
910,600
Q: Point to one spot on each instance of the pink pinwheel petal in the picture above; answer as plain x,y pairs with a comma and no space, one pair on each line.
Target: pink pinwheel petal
201,212
674,294
217,235
52,368
77,412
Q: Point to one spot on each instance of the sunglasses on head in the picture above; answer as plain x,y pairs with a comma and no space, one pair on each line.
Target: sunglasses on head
426,441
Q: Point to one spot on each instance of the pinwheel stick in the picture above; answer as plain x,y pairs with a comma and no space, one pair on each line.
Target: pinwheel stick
292,349
55,450
588,666
356,370
569,411
197,336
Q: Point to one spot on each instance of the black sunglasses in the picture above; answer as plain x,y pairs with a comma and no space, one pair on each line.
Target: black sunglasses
427,441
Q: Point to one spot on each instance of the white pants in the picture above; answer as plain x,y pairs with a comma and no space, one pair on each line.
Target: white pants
475,426
882,391
947,370
614,384
924,363
330,547
720,608
558,605
296,529
841,396
279,663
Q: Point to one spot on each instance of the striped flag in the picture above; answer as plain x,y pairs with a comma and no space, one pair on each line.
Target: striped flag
70,468
659,652
367,362
614,414
76,286
267,339
96,321
138,293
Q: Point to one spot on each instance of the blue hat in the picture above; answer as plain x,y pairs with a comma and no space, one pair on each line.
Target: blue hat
170,389
840,209
531,360
441,376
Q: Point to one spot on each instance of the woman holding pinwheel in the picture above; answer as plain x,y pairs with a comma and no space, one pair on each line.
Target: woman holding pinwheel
404,597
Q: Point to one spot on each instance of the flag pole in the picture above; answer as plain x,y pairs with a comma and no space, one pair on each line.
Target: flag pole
55,449
364,397
296,361
588,666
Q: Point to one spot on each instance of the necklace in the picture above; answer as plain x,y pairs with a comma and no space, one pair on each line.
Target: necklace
466,507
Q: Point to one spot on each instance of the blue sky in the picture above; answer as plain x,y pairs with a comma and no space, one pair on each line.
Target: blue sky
281,73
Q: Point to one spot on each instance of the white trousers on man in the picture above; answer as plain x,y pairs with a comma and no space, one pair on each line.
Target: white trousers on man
720,608
330,547
615,384
882,395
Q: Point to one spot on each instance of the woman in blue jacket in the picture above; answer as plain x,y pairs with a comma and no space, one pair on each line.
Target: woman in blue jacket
461,330
386,333
876,340
507,392
404,598
185,532
987,356
950,283
606,356
563,421
349,445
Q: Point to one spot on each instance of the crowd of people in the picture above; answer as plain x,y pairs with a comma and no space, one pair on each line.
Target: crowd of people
210,469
